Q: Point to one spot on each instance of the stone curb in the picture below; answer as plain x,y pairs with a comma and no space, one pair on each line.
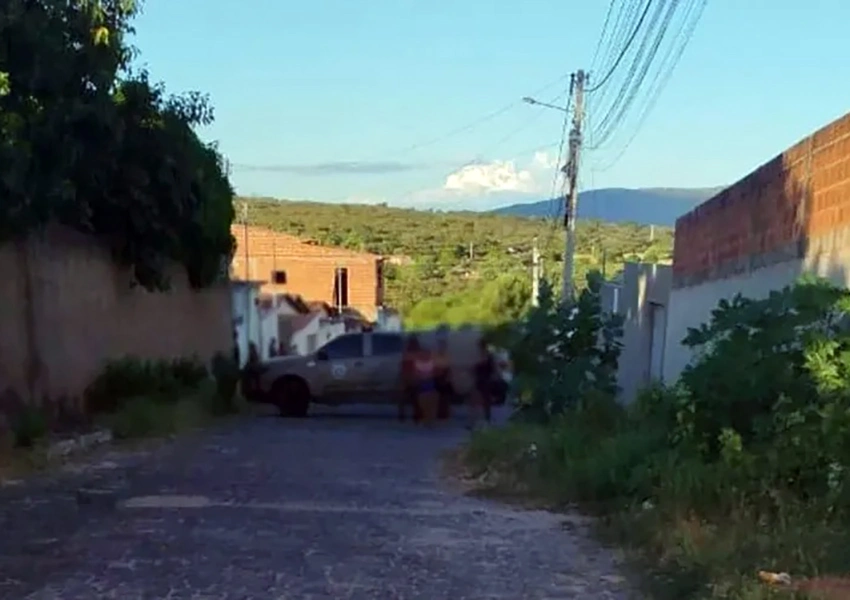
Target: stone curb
79,443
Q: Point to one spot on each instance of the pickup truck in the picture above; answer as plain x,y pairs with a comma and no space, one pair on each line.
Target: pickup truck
358,368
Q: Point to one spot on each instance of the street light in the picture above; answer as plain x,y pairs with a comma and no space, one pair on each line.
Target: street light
530,100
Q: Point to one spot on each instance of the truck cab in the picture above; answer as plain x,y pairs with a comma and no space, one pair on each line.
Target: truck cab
356,368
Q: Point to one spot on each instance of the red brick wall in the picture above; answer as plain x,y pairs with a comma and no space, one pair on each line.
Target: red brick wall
309,268
771,214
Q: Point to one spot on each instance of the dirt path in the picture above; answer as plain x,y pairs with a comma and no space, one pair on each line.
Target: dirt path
324,508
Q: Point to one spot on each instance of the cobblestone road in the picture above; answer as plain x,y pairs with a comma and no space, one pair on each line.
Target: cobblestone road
324,508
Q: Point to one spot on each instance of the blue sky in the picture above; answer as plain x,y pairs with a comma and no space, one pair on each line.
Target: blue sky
301,87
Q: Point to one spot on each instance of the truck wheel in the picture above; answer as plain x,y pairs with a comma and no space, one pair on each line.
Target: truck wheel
292,397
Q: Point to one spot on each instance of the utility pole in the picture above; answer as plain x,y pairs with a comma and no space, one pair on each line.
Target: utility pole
471,251
577,83
247,277
535,274
604,263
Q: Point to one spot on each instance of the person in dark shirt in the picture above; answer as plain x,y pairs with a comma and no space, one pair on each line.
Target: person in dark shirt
251,372
483,373
236,354
408,380
443,375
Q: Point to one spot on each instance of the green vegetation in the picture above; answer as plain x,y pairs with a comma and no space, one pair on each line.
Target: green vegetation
460,266
741,467
135,399
141,398
87,142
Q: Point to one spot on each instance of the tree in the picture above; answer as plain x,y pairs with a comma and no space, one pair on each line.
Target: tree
88,144
437,244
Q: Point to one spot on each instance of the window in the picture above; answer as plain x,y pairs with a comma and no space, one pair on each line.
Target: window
386,344
341,287
345,346
379,274
279,277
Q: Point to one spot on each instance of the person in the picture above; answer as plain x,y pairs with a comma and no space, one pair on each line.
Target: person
408,380
483,373
424,376
443,379
236,355
251,372
272,347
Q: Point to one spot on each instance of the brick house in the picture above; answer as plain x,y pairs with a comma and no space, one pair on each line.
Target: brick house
340,278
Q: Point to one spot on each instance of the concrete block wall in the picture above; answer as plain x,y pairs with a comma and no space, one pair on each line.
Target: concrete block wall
788,217
67,309
641,298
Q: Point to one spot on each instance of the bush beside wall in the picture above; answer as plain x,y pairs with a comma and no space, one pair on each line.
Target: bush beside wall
743,466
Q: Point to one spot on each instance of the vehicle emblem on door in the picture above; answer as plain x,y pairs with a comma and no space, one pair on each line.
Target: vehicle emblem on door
338,371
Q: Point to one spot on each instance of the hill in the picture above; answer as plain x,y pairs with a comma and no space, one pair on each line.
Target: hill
651,206
458,260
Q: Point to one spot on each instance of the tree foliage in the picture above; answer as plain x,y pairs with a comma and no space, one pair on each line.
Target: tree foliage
457,264
742,466
89,144
773,373
566,354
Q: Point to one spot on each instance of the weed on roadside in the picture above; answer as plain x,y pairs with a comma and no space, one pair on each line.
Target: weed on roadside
134,399
722,484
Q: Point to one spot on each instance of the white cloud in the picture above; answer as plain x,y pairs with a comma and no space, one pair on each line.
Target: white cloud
544,160
487,185
497,176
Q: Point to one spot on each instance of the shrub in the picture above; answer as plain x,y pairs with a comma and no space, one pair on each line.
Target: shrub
137,417
28,426
227,376
770,391
131,377
743,465
565,353
189,372
145,416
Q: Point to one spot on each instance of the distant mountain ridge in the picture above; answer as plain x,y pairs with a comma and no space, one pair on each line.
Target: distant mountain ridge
647,206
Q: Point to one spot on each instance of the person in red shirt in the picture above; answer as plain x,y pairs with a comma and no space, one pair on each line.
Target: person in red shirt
425,380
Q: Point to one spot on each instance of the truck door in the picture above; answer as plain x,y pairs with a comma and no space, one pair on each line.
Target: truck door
342,365
384,350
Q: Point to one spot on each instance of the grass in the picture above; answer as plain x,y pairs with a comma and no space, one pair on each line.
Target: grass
687,528
140,418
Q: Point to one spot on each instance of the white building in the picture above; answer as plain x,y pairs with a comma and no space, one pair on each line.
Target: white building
311,331
388,320
246,322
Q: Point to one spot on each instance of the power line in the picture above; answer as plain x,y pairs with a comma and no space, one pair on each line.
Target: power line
641,76
643,60
663,76
558,174
625,49
624,23
629,85
473,124
477,161
608,14
457,131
